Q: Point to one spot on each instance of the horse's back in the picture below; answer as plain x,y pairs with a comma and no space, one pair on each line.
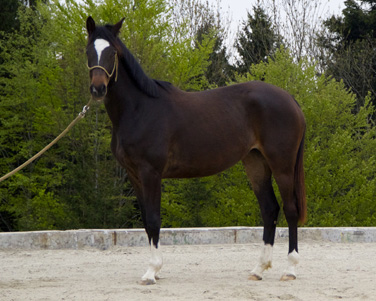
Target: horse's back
252,108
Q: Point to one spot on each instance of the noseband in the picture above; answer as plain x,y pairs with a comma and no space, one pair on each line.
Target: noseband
115,69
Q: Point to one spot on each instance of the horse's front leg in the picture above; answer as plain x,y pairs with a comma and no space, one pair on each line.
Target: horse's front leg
150,203
155,265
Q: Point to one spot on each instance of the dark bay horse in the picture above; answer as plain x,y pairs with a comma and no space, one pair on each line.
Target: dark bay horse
161,132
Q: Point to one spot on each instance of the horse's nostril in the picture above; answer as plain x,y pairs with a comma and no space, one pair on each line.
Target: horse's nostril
93,90
98,91
102,89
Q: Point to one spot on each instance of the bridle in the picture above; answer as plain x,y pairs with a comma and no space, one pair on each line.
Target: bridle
115,69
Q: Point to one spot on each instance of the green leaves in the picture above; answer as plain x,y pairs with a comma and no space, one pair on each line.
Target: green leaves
78,184
340,144
349,48
220,200
257,41
44,81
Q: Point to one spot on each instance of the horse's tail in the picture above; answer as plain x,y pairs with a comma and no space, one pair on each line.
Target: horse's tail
300,192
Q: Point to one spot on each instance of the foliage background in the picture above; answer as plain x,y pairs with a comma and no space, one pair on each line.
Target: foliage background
78,184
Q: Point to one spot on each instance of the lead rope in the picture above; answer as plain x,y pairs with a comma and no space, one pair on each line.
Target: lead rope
78,118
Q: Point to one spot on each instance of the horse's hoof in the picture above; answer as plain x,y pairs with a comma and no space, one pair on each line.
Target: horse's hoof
288,277
255,277
148,281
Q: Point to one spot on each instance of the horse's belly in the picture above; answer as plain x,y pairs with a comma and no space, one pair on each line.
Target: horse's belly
204,148
191,171
203,164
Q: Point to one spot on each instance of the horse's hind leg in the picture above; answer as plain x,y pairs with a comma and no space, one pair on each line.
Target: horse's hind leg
259,175
285,182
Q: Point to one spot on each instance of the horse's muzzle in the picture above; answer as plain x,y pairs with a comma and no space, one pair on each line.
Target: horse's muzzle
98,92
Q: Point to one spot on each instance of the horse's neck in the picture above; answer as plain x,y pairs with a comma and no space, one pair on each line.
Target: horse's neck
123,98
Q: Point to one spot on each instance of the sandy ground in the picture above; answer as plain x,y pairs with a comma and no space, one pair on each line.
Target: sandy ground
327,271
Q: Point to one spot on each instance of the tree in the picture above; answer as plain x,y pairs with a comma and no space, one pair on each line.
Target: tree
77,183
25,117
203,23
339,149
9,11
257,41
219,72
221,200
8,15
350,41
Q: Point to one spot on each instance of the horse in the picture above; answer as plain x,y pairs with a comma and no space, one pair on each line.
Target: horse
160,131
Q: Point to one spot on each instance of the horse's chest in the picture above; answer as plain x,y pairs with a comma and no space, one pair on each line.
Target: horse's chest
125,148
132,151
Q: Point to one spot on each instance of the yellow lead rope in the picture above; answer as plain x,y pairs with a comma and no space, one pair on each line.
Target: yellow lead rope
78,118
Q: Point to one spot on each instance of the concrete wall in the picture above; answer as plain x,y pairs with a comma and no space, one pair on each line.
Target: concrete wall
104,239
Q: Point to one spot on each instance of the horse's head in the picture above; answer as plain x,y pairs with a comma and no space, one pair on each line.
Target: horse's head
102,55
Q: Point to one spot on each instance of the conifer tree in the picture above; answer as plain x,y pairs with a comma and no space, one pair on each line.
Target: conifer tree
257,41
350,43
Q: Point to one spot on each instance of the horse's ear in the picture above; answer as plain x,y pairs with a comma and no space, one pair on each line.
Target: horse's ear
90,25
117,26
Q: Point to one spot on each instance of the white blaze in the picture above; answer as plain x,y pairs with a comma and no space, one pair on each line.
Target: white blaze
100,45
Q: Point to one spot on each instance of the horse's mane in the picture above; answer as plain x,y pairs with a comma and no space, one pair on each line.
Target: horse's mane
146,84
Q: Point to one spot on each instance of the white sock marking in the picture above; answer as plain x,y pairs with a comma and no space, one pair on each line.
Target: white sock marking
155,264
265,261
292,261
100,45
